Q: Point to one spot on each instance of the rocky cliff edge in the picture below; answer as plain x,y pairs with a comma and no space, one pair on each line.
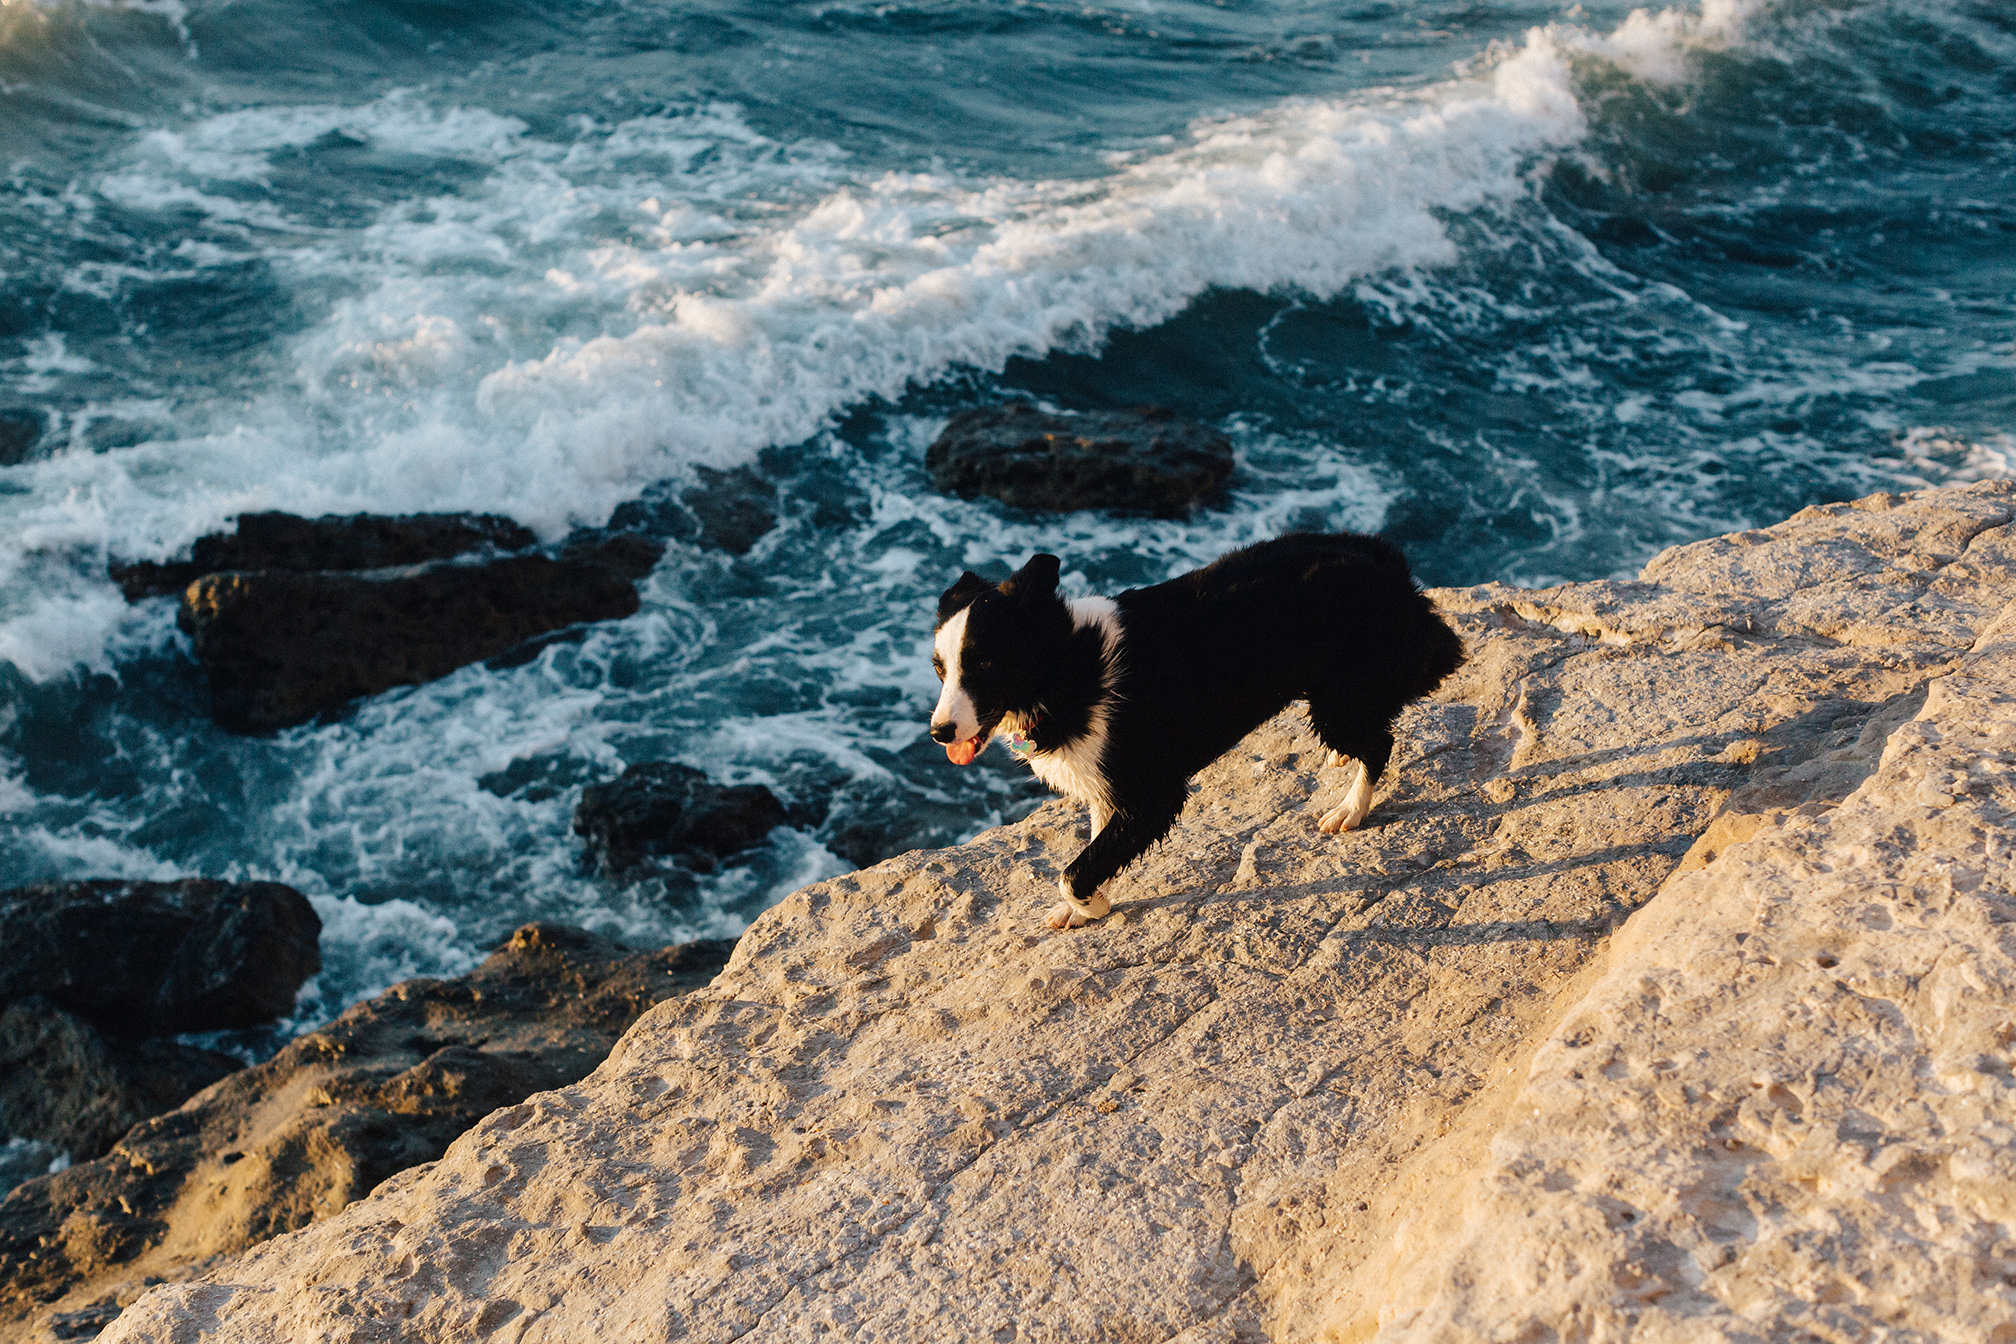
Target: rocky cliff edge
1670,992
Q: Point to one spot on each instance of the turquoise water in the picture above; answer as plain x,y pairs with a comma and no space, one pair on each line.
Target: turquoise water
1537,290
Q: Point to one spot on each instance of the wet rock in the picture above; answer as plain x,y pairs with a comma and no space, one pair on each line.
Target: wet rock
1146,461
1496,1067
20,431
534,779
351,541
66,1084
387,1085
293,617
630,554
722,510
157,958
281,647
662,810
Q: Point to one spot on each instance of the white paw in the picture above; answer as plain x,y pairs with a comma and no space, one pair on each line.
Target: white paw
1073,914
1336,758
1347,815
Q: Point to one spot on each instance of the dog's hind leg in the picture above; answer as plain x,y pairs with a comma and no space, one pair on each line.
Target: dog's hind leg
1102,816
1125,838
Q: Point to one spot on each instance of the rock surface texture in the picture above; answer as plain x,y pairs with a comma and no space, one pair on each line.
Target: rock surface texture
1145,461
385,1086
1665,995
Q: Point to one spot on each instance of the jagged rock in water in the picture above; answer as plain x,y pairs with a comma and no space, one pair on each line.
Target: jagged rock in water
722,510
66,1084
294,617
336,541
387,1085
158,958
1146,461
1501,1065
281,647
663,810
630,554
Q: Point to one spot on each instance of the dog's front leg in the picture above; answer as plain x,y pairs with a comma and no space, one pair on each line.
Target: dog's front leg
1347,815
1125,838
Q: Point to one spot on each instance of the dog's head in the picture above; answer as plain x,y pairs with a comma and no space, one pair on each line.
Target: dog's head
990,647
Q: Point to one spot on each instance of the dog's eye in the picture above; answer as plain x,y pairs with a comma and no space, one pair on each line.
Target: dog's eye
983,665
938,666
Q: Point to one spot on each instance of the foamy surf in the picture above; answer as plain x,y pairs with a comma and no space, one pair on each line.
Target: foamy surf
1407,305
730,292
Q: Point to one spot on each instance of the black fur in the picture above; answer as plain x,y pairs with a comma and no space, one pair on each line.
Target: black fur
1203,660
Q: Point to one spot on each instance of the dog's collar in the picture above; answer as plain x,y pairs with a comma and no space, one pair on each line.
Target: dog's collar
1018,741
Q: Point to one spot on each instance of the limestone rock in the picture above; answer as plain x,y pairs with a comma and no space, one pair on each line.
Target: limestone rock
65,1084
1145,461
1491,1068
385,1086
158,958
281,647
660,809
1784,1106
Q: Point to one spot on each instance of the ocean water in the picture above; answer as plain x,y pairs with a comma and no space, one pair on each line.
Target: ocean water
1535,289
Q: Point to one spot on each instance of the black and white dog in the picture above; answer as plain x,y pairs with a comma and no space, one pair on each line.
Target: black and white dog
1118,701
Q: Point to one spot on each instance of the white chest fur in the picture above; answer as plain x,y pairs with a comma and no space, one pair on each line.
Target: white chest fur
1074,768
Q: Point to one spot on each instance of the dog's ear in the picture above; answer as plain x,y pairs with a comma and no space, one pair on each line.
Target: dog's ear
961,594
1038,578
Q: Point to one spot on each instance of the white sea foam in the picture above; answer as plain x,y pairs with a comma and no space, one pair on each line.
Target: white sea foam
584,314
1938,456
602,310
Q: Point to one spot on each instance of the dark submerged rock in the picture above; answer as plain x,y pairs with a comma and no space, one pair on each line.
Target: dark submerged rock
158,958
281,647
1145,461
387,1085
293,617
722,510
661,810
20,431
628,553
351,541
64,1083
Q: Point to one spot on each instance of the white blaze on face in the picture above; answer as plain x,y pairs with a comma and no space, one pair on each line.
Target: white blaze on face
955,706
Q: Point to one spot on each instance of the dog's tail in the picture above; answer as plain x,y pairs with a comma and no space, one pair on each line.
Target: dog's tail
1440,649
1436,647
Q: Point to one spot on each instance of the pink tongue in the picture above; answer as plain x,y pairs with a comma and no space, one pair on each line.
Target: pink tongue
962,753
